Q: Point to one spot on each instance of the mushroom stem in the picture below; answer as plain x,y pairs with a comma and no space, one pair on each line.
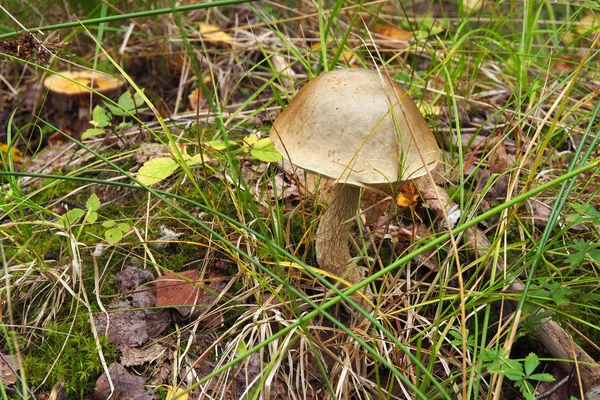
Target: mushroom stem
333,233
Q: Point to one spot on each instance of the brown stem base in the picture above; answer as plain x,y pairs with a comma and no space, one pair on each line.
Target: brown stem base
333,233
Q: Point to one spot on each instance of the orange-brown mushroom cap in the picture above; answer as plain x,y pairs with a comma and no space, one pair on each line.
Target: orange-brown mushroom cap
86,81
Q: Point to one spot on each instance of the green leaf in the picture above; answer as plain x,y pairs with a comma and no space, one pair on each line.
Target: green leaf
115,110
92,132
124,227
196,159
71,217
109,224
514,375
93,203
541,377
100,118
595,255
113,235
561,296
129,102
216,144
92,217
250,140
155,170
265,151
580,247
531,363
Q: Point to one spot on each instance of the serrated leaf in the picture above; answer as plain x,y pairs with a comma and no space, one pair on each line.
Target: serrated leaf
109,224
561,296
265,151
155,170
93,202
514,375
72,216
532,361
92,132
113,235
92,217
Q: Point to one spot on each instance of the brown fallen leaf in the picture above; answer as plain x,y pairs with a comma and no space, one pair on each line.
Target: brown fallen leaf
126,386
189,296
133,321
132,356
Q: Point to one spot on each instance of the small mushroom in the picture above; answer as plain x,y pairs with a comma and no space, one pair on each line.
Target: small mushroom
63,88
361,129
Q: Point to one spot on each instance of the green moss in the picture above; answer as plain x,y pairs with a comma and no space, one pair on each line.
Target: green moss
74,355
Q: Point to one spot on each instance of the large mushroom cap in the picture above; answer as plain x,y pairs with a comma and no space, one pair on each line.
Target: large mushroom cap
356,126
86,80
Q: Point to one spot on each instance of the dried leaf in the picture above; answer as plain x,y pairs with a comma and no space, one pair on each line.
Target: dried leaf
408,196
15,153
394,33
187,295
215,35
197,99
126,386
132,356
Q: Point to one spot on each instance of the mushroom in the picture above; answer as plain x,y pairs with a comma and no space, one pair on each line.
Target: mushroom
77,86
361,129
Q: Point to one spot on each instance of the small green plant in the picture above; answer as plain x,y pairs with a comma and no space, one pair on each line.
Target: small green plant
160,168
521,373
114,230
104,118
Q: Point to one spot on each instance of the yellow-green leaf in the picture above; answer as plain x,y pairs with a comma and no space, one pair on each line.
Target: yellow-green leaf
265,151
157,169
